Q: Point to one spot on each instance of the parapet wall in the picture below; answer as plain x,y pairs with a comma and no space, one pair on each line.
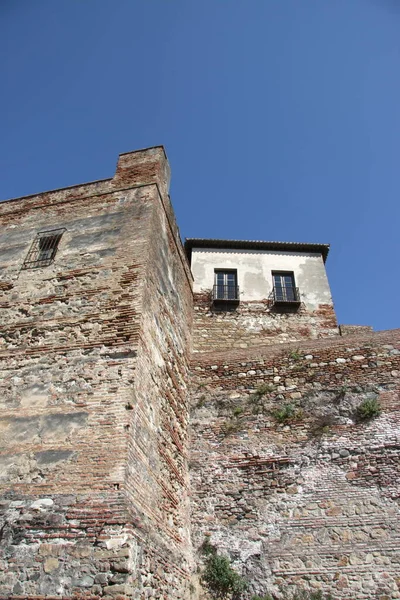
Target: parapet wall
287,478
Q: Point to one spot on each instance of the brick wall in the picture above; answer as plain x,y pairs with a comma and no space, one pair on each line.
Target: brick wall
93,469
308,501
256,323
96,500
157,466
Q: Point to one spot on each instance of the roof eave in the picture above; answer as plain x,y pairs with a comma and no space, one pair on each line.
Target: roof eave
191,243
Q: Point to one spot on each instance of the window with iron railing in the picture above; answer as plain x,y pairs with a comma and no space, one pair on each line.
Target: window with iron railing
225,286
284,289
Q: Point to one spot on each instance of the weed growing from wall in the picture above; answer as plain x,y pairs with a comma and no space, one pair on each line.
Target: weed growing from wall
201,401
263,389
234,421
323,424
221,581
256,399
368,409
295,355
232,425
284,413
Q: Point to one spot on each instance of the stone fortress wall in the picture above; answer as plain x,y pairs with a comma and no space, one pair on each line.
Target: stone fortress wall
310,501
93,467
120,449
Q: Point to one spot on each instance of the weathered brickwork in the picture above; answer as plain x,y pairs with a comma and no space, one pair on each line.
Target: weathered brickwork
256,323
354,329
287,478
129,432
93,466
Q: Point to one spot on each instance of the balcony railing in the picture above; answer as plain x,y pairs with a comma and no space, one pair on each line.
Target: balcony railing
285,296
225,293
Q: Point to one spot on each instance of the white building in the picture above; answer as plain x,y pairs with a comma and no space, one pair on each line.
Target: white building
286,273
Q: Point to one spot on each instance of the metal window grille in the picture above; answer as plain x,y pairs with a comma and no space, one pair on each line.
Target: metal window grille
43,249
284,291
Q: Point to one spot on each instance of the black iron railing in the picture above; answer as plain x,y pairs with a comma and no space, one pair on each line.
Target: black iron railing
285,295
225,293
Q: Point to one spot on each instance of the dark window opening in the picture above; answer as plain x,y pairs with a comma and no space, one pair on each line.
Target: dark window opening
43,249
284,290
225,286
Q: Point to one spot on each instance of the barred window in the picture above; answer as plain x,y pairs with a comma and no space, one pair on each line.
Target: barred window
43,249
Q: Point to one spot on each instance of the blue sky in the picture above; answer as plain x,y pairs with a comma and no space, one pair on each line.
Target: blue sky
281,119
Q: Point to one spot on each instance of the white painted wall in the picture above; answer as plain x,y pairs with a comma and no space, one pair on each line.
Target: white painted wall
254,271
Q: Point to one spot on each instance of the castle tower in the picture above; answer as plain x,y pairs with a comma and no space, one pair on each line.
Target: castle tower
95,313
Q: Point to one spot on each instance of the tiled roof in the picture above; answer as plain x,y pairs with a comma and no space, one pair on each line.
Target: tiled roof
256,245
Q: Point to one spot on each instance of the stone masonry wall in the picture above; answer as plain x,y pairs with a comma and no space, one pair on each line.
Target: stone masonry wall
256,323
95,497
76,522
287,479
157,465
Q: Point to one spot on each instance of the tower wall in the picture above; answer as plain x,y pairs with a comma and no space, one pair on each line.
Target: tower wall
93,417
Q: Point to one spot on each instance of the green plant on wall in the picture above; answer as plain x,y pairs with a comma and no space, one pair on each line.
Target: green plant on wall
237,411
221,581
323,424
342,391
231,425
284,413
256,399
234,422
263,389
201,401
368,409
294,354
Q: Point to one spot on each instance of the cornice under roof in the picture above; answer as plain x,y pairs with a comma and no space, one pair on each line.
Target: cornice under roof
255,245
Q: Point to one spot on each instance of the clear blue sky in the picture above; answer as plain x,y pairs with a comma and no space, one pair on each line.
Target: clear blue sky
281,119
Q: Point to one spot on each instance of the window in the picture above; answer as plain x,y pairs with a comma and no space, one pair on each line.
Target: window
284,287
225,285
43,249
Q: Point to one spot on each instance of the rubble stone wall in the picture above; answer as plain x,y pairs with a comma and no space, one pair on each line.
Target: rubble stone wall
256,323
86,485
288,479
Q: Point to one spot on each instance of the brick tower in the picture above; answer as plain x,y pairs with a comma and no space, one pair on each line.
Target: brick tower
95,312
